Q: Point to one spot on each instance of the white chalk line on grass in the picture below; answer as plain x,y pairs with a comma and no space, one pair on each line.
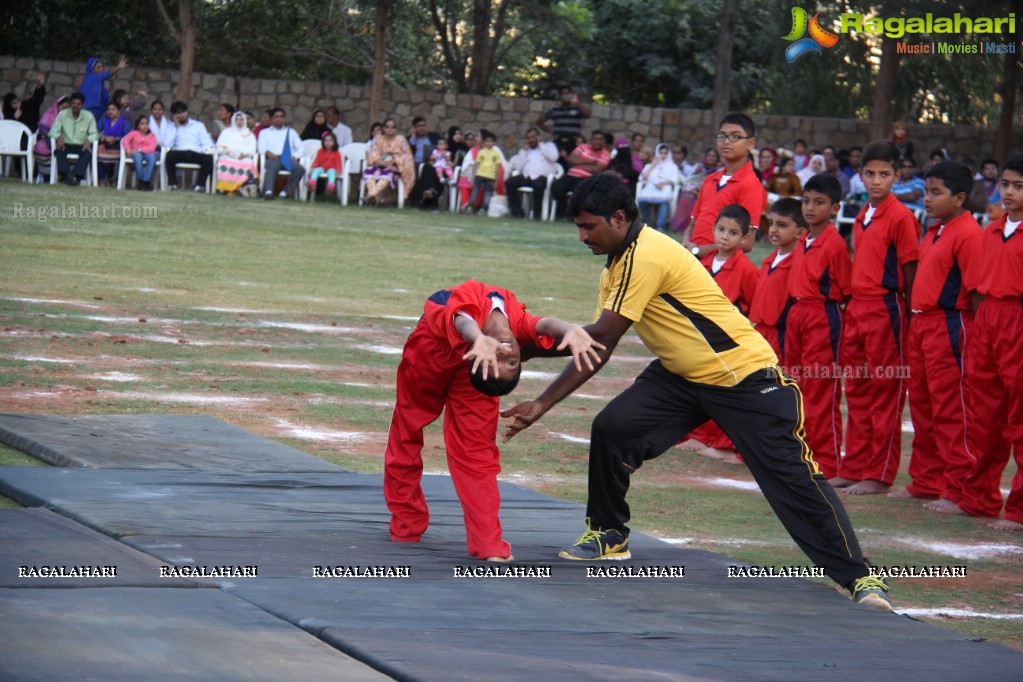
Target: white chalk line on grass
36,358
315,328
570,438
183,398
319,434
238,311
957,613
116,376
962,551
56,301
383,350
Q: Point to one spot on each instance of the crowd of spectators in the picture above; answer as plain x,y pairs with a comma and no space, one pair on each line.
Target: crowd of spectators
260,154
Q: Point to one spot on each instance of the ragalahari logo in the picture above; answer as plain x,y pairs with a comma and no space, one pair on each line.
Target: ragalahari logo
819,37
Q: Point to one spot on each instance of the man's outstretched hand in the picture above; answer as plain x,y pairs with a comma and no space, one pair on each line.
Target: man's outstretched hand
523,416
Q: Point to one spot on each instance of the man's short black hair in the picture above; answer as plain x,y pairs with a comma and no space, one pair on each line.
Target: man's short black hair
77,96
601,195
956,176
178,107
417,120
276,110
742,120
826,184
791,208
493,386
229,108
487,135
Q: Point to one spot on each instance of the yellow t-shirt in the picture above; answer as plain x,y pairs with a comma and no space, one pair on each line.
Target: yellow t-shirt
680,313
487,161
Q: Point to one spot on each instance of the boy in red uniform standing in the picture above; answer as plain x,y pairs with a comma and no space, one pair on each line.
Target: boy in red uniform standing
819,285
737,278
488,325
736,183
771,303
949,271
994,367
873,346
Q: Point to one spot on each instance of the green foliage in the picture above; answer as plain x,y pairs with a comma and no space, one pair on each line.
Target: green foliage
655,52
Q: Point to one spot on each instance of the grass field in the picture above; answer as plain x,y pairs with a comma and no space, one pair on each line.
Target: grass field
287,319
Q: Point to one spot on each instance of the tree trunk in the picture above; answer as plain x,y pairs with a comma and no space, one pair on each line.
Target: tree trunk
479,71
884,90
187,42
376,92
723,69
1010,78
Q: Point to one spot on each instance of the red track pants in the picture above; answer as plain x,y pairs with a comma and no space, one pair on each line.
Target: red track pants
433,378
812,334
874,368
994,379
941,457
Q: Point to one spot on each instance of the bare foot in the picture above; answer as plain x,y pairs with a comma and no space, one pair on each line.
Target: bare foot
718,453
903,493
839,482
501,559
1008,525
944,506
692,444
868,487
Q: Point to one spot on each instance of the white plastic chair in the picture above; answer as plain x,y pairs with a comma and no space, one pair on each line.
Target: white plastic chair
11,135
353,162
302,190
122,168
193,167
91,174
545,199
309,150
400,189
676,189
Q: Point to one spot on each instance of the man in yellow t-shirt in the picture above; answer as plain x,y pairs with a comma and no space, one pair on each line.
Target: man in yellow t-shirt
711,364
488,162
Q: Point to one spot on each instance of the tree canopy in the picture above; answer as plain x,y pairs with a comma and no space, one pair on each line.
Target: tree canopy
646,52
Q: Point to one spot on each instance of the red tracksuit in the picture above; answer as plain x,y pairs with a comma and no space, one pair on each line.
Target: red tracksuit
994,377
771,302
742,188
432,377
873,344
950,268
738,281
819,284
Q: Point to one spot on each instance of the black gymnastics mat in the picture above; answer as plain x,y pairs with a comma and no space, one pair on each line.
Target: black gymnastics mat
133,634
433,625
151,441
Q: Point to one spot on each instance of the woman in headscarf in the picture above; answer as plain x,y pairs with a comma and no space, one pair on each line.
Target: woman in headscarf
388,159
767,158
26,110
236,156
657,182
317,126
817,165
457,147
42,148
94,85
